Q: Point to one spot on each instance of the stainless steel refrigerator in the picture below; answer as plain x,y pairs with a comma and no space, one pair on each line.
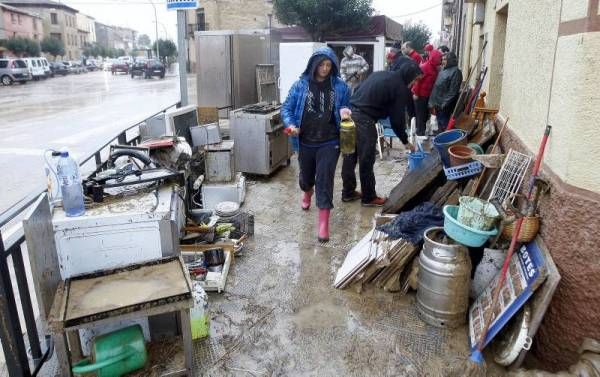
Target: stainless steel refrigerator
226,69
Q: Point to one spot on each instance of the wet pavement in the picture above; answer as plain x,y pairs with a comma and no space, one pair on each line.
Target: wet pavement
281,316
80,112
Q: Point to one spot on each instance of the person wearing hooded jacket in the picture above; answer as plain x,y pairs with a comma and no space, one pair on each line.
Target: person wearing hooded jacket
423,88
312,113
446,90
383,94
353,67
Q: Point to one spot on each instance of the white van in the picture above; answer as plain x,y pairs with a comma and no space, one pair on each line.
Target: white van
47,70
36,68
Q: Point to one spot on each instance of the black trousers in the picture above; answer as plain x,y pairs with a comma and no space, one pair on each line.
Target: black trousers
422,114
317,169
366,142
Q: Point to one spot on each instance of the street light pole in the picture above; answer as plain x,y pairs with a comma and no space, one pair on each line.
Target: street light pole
156,30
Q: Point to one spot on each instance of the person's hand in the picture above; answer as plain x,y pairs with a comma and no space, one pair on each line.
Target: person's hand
415,97
292,131
409,147
433,111
345,113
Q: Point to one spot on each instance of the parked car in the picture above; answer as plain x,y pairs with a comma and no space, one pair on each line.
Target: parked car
12,70
36,68
147,69
74,67
92,65
47,70
119,66
125,59
59,68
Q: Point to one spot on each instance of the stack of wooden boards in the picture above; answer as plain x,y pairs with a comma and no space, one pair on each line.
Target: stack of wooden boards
376,259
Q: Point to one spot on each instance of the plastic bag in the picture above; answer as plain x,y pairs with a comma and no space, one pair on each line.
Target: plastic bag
433,124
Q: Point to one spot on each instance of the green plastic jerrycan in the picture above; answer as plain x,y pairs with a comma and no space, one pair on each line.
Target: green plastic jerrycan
115,354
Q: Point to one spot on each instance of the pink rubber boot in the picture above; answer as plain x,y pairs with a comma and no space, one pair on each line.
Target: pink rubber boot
324,225
306,200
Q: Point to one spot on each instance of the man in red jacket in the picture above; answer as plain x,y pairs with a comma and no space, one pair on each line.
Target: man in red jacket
408,50
423,87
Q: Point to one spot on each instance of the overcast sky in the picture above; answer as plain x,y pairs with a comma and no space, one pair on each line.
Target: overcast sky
139,14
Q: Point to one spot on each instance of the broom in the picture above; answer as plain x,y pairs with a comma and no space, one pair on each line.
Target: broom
476,364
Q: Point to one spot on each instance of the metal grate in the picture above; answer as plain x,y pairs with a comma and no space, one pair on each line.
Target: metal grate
511,176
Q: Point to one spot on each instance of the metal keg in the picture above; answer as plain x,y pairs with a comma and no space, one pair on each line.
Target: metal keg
444,279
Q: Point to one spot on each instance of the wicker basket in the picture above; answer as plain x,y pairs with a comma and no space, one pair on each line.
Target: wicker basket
529,229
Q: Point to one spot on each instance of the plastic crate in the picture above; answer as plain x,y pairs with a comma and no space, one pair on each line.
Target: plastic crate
462,171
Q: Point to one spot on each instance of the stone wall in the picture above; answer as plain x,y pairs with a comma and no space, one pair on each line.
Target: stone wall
571,231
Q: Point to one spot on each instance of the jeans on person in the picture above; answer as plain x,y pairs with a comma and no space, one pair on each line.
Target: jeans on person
443,119
366,141
422,115
317,169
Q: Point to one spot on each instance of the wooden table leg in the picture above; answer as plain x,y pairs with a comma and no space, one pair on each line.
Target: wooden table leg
188,347
62,354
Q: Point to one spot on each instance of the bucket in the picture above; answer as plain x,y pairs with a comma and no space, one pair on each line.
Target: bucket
476,213
415,160
460,154
445,140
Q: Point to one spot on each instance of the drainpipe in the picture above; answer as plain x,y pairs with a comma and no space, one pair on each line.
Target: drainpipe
468,38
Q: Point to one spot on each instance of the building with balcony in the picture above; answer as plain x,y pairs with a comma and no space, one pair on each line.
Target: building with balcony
543,69
86,30
58,20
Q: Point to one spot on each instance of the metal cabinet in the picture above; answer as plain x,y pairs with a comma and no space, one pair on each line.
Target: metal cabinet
261,146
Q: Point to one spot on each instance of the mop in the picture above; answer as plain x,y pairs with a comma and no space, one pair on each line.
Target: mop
475,365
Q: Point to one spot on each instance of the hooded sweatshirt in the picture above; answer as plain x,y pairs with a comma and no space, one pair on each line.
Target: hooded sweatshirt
353,66
385,94
424,86
293,109
447,85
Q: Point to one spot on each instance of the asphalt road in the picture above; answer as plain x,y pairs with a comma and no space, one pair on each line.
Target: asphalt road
80,112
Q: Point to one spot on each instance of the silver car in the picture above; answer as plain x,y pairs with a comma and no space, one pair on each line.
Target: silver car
12,70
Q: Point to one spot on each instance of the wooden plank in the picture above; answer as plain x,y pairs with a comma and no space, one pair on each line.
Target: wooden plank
441,193
413,183
62,354
58,310
207,115
453,198
100,294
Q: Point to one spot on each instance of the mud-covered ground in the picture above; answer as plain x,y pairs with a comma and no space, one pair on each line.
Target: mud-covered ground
281,316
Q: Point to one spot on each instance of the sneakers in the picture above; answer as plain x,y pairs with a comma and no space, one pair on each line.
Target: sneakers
353,197
377,202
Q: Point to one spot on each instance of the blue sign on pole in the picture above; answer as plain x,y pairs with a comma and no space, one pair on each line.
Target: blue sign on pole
181,4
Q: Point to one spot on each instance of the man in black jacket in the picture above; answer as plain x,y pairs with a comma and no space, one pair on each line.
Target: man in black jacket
446,90
383,94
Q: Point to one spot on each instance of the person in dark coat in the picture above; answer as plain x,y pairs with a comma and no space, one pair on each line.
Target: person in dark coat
446,90
400,64
311,113
383,94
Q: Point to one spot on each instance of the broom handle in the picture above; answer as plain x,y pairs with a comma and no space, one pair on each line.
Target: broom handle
476,187
513,241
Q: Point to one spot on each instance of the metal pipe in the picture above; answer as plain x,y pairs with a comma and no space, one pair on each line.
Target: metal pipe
181,56
156,29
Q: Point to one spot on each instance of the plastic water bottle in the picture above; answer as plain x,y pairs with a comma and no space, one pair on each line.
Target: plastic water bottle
70,185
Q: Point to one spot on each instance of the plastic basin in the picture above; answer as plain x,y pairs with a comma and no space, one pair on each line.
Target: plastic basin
415,159
460,154
477,148
462,233
476,213
447,139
